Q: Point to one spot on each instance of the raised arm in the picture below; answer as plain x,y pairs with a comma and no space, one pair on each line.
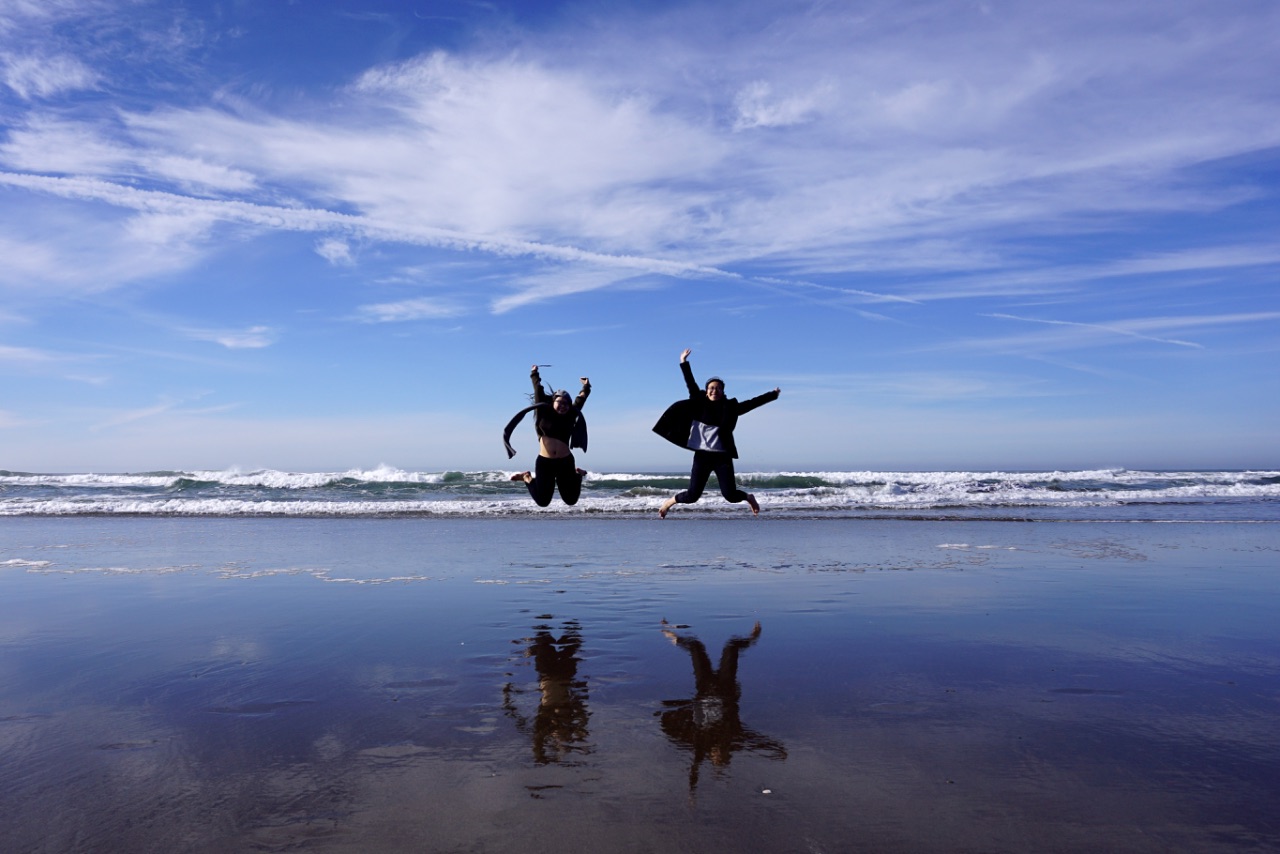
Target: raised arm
539,396
687,370
582,395
767,397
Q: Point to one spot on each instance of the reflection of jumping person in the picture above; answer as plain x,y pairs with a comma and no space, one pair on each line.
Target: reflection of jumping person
560,427
560,724
708,724
704,424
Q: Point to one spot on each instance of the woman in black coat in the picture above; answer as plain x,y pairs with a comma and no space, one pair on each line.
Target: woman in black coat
704,424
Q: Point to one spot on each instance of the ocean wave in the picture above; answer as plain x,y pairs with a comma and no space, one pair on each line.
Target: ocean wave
391,491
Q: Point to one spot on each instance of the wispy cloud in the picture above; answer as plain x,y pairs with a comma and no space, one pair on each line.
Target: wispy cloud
166,406
1025,280
337,252
420,308
203,210
1073,335
569,332
1111,328
135,415
912,386
759,107
38,76
27,355
928,144
252,338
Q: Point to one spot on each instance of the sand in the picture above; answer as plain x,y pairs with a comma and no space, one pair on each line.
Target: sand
509,685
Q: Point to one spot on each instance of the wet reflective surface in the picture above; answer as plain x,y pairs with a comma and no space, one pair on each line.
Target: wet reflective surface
626,685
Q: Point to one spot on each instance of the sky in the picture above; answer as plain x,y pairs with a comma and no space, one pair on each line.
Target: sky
331,236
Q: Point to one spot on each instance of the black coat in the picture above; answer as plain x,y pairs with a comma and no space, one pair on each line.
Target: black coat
676,423
570,428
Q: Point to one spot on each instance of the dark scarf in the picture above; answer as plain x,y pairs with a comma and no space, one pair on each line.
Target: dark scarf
577,438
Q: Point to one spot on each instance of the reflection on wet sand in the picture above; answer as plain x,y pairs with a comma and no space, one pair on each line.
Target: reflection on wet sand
707,724
559,726
1030,702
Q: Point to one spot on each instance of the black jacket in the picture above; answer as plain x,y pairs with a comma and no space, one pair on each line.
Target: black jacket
677,421
551,423
570,428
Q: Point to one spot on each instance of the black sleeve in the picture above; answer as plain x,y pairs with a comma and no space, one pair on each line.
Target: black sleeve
748,405
538,395
689,381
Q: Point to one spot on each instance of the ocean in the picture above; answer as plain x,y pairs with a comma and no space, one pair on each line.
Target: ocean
1101,495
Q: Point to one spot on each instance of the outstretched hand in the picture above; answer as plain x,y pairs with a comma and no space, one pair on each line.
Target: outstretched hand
778,391
684,357
585,381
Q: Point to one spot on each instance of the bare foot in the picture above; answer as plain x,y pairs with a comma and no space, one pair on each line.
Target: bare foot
524,475
755,505
666,505
581,472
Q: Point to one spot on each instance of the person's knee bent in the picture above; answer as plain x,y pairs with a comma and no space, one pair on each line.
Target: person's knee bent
540,494
689,496
731,492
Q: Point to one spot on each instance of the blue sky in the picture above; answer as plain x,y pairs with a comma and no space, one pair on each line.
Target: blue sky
331,235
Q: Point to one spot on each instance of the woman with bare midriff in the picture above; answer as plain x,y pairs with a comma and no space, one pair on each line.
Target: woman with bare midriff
560,427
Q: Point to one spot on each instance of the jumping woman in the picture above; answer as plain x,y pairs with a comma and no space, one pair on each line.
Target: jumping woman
560,427
704,424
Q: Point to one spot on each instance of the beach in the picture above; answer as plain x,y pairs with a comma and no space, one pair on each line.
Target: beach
595,683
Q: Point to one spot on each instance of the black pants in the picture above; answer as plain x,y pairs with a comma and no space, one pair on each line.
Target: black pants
548,474
705,463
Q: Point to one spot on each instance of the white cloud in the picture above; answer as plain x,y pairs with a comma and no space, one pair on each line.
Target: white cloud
911,142
1073,335
166,411
51,248
26,355
1121,329
758,108
335,251
252,338
187,215
496,146
909,386
36,76
421,308
199,174
133,415
557,282
51,145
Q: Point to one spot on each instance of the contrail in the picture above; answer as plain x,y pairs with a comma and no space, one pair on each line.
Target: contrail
1104,328
321,220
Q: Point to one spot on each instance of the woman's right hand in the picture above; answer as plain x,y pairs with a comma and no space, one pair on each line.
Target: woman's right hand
684,357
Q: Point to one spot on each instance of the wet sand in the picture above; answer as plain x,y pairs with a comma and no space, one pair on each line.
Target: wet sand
213,685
